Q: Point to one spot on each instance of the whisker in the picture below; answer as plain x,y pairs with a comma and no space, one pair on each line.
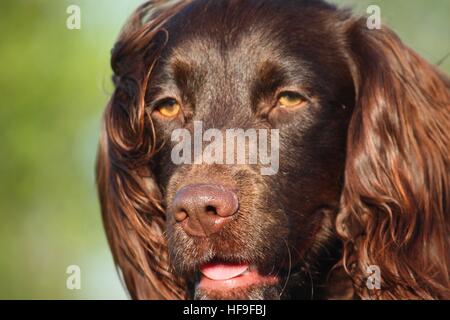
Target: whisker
290,266
311,281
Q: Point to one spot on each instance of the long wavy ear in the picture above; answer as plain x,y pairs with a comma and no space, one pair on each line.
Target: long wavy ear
130,200
396,199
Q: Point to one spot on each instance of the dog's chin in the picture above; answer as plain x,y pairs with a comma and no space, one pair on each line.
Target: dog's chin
225,281
257,292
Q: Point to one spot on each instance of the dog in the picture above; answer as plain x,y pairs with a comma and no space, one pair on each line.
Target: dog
359,204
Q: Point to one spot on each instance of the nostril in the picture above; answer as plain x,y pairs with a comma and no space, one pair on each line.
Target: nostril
181,215
211,210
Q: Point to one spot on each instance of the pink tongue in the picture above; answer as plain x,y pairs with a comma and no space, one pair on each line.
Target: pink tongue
221,271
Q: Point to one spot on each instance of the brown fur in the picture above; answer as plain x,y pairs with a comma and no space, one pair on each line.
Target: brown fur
366,178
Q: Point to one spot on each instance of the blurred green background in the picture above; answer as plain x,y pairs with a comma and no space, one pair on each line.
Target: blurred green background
54,84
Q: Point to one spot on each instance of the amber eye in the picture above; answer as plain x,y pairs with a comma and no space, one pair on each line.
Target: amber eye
169,108
290,99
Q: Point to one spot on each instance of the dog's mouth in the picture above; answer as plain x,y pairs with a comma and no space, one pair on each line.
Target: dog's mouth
222,276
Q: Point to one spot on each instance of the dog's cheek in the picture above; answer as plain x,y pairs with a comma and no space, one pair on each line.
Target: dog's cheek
178,245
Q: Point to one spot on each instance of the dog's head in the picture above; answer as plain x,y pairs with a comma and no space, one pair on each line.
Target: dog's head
244,136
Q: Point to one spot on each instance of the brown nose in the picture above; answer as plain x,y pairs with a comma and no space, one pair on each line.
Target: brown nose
203,209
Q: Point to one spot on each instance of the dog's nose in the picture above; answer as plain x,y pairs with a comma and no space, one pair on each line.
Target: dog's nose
203,209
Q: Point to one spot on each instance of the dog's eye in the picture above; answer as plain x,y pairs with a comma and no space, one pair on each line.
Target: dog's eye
169,108
290,99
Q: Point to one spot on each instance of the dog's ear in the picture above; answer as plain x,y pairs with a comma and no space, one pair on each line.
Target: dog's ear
396,200
130,199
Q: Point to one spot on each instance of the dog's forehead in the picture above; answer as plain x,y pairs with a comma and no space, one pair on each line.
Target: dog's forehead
241,56
248,32
238,50
239,37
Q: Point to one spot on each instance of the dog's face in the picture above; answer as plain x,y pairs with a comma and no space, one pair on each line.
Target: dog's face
259,148
233,232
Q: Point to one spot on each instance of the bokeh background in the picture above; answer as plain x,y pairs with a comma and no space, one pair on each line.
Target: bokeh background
54,84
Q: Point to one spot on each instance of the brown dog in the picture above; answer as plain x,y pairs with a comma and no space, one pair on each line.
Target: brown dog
363,181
